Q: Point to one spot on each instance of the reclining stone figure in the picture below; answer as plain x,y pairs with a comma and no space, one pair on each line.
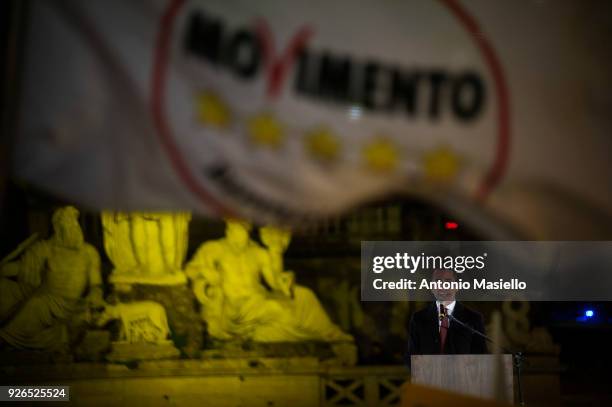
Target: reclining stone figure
227,277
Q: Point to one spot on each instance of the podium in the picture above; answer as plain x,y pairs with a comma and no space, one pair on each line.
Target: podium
482,376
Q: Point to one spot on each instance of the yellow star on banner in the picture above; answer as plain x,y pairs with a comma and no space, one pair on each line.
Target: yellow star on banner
381,155
323,145
211,110
265,130
441,164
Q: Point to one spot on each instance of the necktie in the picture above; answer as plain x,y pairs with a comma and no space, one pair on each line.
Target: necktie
443,328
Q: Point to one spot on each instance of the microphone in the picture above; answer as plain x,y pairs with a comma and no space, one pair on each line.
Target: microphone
442,313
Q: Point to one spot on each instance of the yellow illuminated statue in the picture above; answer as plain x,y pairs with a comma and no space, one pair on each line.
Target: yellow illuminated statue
148,250
146,247
41,290
141,321
227,279
144,333
309,319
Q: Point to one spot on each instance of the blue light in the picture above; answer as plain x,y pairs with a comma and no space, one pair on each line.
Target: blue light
589,313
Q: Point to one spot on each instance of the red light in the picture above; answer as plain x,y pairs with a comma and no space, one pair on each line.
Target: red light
451,225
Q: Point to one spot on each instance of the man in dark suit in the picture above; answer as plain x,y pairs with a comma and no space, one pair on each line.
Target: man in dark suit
433,333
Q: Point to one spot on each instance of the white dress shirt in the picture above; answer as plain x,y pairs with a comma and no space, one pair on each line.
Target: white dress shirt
449,310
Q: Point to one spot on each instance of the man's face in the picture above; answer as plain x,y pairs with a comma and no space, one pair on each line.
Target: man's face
443,295
237,234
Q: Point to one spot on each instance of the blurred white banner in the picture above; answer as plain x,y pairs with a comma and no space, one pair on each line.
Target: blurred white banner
298,110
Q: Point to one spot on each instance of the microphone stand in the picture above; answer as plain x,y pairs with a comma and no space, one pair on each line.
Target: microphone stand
517,357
